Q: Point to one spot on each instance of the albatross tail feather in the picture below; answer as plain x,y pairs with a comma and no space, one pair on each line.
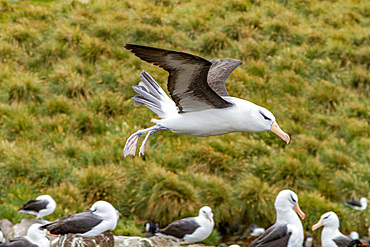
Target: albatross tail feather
150,94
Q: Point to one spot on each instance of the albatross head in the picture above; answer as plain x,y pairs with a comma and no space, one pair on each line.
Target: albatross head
266,121
329,219
35,233
288,199
105,210
206,212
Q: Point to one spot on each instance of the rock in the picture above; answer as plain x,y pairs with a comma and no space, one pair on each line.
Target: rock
21,229
7,228
105,239
123,241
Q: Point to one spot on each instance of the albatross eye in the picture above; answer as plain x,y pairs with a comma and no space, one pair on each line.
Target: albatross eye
264,116
292,198
327,216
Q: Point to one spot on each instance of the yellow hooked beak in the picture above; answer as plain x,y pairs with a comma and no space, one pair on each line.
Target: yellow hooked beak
209,217
317,225
276,129
299,211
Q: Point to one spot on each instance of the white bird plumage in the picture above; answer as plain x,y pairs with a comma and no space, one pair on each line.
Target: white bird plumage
42,206
200,104
287,230
193,229
330,235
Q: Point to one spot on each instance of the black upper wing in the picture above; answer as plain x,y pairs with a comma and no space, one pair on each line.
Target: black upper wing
74,223
180,228
187,81
19,242
275,236
342,241
353,203
34,205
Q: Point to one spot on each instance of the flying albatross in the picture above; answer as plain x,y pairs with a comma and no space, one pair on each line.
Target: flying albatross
192,229
200,105
101,217
35,238
41,206
288,229
359,205
330,235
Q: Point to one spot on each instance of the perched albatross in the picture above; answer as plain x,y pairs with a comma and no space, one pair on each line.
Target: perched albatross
200,105
192,229
330,235
41,206
35,238
101,217
288,229
359,205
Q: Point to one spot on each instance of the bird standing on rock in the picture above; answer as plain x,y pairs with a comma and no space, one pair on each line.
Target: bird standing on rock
192,229
200,105
101,217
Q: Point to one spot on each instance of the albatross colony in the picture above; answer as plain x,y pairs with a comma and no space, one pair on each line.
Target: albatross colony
200,105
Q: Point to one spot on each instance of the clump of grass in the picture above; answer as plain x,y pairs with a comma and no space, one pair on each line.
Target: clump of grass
258,199
58,105
92,48
211,42
25,87
109,105
22,34
97,184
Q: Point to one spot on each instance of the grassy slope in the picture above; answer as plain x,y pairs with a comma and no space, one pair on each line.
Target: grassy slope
66,109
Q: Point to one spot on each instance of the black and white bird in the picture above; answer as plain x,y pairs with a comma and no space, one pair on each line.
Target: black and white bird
41,206
192,229
256,230
288,229
151,228
356,243
359,205
200,105
101,217
35,238
330,235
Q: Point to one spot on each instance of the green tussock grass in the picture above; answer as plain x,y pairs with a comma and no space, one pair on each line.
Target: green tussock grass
66,109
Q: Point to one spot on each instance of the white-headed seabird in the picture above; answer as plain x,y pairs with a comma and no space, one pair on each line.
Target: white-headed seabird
330,235
101,217
192,229
359,205
41,206
35,238
288,229
200,105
